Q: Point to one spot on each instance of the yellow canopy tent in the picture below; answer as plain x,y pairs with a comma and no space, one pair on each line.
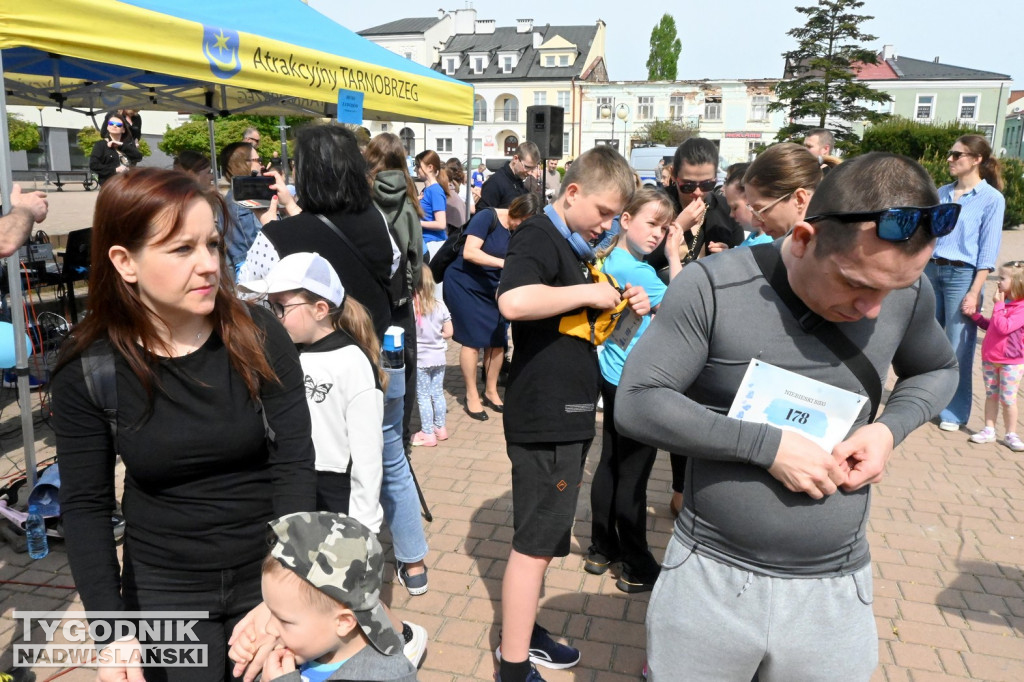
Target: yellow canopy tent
215,57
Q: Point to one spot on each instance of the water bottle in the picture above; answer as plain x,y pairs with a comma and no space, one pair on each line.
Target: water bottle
35,534
393,354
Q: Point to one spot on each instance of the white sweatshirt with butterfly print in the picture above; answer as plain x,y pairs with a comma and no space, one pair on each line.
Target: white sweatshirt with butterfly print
346,407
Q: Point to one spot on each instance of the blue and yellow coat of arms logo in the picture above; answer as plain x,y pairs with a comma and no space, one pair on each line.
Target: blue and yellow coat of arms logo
221,49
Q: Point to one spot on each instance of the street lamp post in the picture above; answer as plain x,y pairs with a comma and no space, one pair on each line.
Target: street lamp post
616,111
606,112
622,113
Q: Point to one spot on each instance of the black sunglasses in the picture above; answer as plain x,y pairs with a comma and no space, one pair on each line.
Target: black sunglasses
956,155
689,186
899,224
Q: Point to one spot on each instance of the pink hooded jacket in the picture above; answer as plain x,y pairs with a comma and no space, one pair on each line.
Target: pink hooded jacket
1004,342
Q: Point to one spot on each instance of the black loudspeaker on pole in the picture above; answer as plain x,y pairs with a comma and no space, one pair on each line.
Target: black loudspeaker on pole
544,128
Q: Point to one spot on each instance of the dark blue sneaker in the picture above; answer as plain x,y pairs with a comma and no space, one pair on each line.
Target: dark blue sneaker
534,676
547,652
416,584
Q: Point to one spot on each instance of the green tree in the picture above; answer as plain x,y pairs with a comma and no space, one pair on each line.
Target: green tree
194,134
820,80
24,136
663,62
666,133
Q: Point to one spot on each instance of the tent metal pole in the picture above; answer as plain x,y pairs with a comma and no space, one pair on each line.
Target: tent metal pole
213,147
469,169
284,148
17,309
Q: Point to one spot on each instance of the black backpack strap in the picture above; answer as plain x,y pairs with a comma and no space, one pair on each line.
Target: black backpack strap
101,381
357,253
770,263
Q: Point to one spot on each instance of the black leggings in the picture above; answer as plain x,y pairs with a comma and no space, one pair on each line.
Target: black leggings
618,496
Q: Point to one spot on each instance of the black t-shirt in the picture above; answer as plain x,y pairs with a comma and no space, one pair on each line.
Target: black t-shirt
201,481
368,231
501,189
554,378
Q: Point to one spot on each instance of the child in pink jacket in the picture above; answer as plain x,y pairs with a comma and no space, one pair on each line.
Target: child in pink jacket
1002,355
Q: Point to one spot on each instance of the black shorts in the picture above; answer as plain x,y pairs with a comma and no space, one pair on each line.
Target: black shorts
546,480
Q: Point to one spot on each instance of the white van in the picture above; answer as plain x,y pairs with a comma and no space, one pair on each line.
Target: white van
644,161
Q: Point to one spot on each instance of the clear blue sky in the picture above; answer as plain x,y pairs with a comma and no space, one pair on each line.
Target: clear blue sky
744,38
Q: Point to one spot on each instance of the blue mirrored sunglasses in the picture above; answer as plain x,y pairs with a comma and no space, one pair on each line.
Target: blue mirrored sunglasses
899,224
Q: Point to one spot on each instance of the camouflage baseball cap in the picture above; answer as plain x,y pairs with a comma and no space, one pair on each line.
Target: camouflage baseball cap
342,559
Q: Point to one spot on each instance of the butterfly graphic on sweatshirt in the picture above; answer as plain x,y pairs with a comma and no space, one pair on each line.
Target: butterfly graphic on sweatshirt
316,392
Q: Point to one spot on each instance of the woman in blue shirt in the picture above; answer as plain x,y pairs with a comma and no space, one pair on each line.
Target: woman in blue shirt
434,199
963,259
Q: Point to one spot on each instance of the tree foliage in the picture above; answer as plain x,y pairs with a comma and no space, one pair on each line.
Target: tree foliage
668,133
821,83
913,138
663,62
24,136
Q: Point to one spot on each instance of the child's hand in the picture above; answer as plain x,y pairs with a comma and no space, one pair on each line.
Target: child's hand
999,296
603,296
673,238
279,662
638,299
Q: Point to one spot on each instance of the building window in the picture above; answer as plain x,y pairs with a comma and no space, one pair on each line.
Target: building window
384,127
444,144
713,108
408,139
450,65
601,103
510,110
988,131
540,97
968,107
644,108
478,64
408,55
563,60
478,145
506,64
563,99
759,108
924,108
752,150
549,60
565,144
479,110
675,107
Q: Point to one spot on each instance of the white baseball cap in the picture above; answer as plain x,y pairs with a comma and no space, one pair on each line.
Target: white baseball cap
304,270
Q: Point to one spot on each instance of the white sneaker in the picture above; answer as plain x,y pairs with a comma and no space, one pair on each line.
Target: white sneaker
986,435
415,637
949,426
1014,442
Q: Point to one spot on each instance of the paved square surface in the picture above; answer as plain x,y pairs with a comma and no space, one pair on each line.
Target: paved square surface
946,532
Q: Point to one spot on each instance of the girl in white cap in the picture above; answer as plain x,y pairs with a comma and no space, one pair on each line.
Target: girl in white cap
338,349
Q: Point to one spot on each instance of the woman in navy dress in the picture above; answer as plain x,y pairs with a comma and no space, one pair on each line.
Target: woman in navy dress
470,289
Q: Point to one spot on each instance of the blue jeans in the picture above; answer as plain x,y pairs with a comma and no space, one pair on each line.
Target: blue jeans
397,491
951,283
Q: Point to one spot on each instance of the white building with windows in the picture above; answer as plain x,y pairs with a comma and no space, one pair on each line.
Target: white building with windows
732,113
510,68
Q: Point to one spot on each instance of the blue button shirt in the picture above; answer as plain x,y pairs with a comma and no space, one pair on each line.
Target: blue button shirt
979,231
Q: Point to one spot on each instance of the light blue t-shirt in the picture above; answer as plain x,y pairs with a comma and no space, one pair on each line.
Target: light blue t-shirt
312,671
760,238
621,265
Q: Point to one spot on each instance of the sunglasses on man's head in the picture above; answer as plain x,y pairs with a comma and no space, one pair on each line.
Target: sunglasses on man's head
956,155
899,224
690,186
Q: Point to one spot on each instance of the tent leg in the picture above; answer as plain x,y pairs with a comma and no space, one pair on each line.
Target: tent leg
17,310
469,170
213,147
284,148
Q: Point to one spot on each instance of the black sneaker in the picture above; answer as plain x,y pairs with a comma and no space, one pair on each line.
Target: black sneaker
633,584
597,563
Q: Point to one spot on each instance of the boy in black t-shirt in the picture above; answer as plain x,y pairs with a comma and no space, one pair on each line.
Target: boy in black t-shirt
550,404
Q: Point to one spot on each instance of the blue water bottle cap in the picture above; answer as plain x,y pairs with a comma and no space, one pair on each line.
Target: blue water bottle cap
394,338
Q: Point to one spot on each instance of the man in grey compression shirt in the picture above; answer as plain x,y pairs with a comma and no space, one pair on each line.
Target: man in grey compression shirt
768,570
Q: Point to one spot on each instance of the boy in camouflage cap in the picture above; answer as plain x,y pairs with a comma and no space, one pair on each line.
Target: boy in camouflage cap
321,583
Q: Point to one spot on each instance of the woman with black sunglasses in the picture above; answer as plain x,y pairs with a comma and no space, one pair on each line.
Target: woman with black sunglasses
115,152
963,259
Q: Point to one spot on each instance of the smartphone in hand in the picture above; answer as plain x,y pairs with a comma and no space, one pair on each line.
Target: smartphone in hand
253,191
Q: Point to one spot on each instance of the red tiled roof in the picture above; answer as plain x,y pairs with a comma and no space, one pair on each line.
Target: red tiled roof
874,72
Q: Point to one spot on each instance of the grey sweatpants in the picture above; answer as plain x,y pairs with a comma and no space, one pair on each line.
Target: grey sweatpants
708,621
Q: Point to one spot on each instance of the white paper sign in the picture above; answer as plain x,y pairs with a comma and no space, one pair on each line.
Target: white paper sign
790,401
